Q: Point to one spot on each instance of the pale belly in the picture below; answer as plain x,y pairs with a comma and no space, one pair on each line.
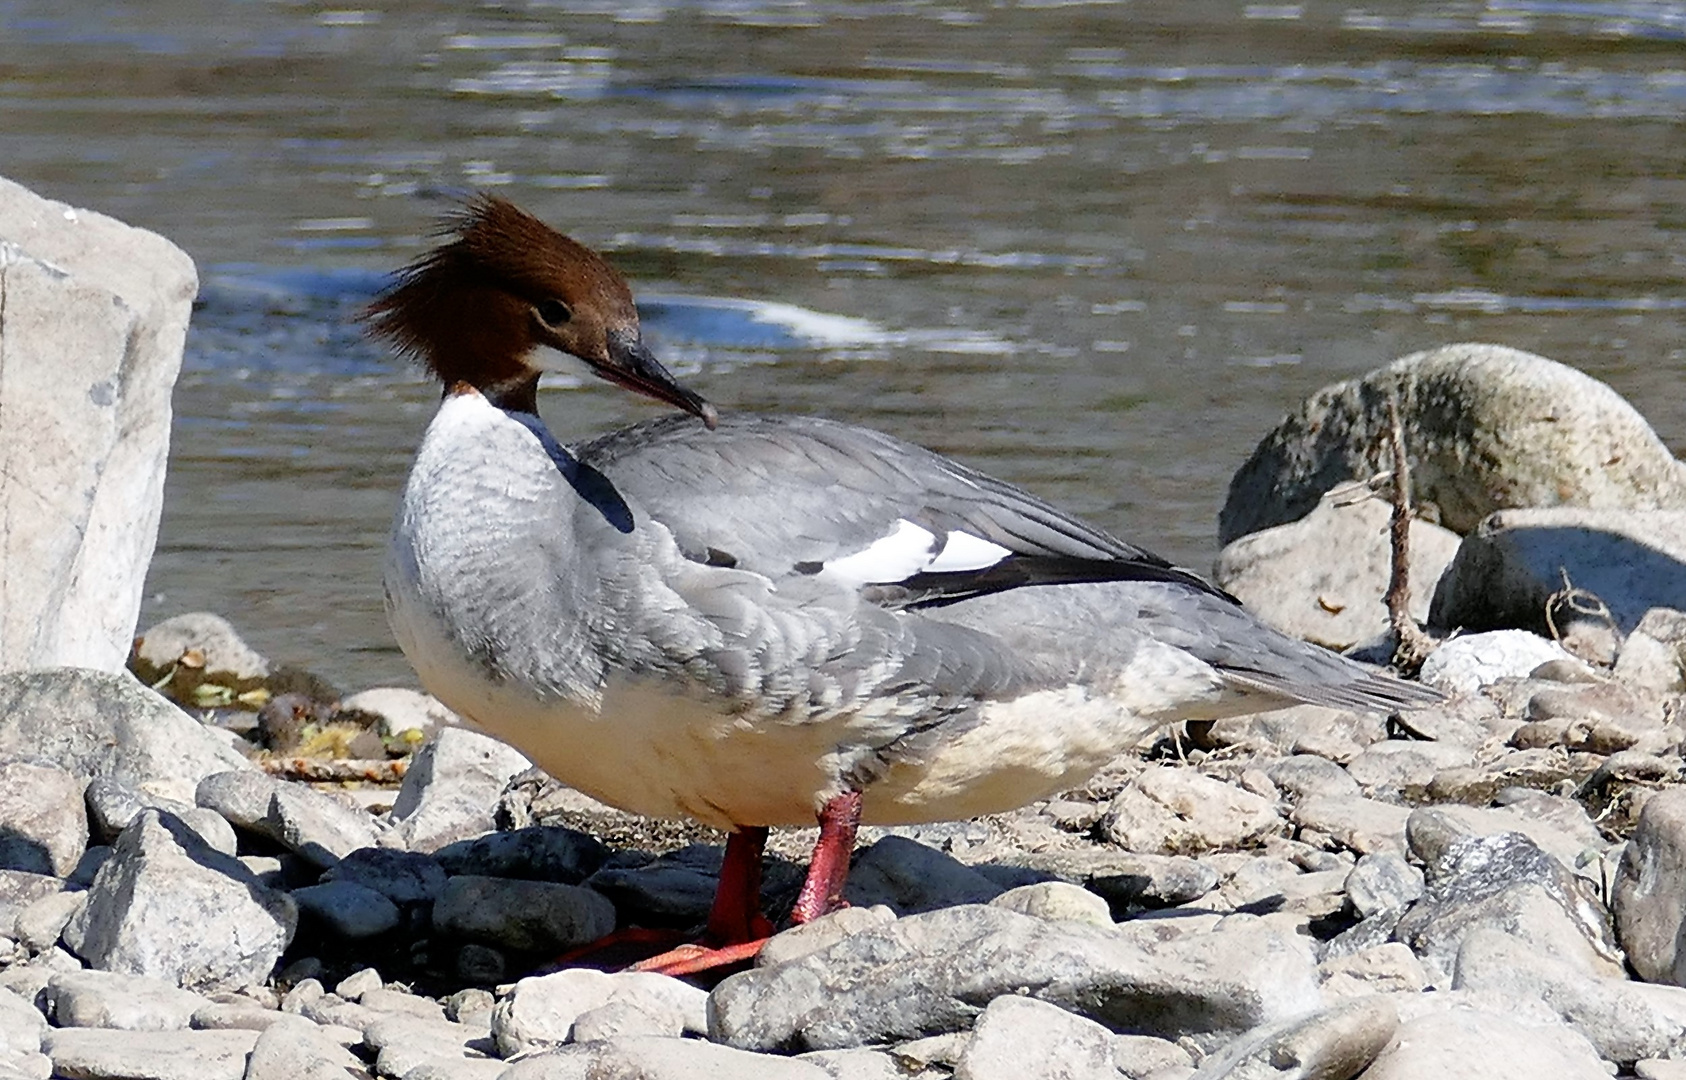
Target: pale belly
661,751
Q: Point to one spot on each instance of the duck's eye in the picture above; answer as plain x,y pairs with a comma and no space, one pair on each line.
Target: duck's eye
553,312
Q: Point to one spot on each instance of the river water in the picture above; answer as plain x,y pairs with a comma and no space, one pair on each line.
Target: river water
1094,248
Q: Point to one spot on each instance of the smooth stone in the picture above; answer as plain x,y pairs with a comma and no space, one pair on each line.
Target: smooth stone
96,314
105,1054
1322,578
541,1010
40,923
1624,1020
404,877
674,890
1486,427
620,1019
1303,776
93,724
1336,735
1366,826
347,909
536,853
908,877
1019,1038
929,974
1381,881
1180,810
315,826
451,788
402,1042
1649,897
22,1026
221,1015
1134,882
1397,765
821,934
864,1064
1651,655
528,916
1508,569
391,1000
43,825
358,983
1058,900
112,805
167,905
105,999
465,1069
1465,1043
296,1049
655,1058
401,710
1340,1041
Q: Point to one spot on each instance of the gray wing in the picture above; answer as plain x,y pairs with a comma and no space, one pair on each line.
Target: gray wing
784,496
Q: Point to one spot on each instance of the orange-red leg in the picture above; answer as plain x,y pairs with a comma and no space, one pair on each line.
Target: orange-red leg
736,926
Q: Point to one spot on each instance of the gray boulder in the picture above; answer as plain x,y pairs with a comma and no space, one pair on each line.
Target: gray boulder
1508,569
92,723
1323,577
169,906
934,973
1486,427
96,312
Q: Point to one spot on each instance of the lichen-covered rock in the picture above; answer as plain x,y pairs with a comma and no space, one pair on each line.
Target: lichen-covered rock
96,313
1486,428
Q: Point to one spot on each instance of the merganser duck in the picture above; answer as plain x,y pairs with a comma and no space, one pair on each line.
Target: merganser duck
765,620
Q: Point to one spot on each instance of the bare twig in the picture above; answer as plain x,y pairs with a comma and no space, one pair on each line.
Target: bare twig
1412,645
336,770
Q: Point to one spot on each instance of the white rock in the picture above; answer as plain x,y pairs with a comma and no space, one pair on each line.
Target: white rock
96,312
106,999
401,709
1020,1038
1485,1046
178,1055
1466,664
452,787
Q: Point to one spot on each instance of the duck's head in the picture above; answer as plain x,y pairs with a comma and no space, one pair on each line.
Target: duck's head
506,298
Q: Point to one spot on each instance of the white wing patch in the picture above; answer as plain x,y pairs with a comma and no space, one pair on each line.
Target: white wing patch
963,551
910,550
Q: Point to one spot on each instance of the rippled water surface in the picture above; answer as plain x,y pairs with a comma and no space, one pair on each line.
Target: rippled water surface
1095,248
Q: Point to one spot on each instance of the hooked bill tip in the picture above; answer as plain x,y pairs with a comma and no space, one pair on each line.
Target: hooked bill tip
710,418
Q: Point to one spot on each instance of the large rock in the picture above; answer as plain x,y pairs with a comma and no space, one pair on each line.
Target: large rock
90,345
1486,427
1476,1045
1323,577
169,906
1508,569
1650,892
934,973
93,723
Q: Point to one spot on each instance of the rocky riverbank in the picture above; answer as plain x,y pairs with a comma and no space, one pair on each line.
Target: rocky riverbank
224,869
